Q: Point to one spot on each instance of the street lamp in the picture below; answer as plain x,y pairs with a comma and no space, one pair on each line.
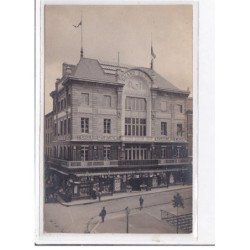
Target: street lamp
127,210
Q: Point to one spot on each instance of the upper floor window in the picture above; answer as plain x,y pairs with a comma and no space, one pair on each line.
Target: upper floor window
69,99
133,103
180,108
106,152
163,106
55,129
163,128
61,127
107,126
62,104
163,152
65,127
85,99
69,126
85,125
179,129
107,101
84,153
135,127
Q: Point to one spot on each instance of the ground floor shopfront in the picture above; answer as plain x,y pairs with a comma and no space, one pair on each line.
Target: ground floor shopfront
80,185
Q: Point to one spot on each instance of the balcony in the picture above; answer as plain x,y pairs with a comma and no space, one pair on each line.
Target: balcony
119,163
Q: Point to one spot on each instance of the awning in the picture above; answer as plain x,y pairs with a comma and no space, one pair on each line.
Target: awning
59,171
131,172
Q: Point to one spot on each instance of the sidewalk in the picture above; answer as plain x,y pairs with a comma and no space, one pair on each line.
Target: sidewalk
122,195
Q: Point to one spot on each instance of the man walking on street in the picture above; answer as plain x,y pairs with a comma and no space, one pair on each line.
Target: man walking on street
103,214
141,202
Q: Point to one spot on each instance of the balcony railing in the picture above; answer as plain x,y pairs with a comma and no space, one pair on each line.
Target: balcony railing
120,163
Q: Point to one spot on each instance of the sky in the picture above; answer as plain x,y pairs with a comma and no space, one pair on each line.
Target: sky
127,29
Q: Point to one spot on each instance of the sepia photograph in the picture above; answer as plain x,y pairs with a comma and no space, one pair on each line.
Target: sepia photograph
118,119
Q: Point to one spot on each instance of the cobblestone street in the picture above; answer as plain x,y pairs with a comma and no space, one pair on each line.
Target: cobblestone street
84,218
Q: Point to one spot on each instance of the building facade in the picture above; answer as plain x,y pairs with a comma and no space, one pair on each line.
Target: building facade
115,129
190,125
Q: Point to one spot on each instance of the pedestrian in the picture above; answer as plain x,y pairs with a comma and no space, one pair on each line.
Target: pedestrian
103,214
99,196
141,202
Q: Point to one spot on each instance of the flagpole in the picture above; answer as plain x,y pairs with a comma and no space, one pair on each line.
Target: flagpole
151,64
81,38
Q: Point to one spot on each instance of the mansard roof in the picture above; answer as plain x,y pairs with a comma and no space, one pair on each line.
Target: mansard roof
100,71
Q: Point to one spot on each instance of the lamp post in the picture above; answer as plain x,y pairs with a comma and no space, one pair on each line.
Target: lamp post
127,210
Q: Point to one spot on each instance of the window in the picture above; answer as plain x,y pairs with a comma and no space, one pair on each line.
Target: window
179,129
58,107
61,104
69,126
179,108
135,153
65,127
84,153
106,152
55,129
163,152
61,127
135,127
135,104
190,128
163,106
107,126
85,125
163,128
85,99
69,99
107,101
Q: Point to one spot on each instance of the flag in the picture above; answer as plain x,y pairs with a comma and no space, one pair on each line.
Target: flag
152,52
76,26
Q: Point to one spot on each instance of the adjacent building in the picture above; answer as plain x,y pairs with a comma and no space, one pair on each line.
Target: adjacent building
115,128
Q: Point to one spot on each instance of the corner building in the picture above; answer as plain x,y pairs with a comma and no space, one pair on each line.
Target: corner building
116,129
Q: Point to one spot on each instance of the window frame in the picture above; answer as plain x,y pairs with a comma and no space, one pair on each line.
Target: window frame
85,125
164,128
107,126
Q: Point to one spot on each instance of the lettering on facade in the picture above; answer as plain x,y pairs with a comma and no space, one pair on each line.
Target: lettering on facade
96,137
162,138
136,83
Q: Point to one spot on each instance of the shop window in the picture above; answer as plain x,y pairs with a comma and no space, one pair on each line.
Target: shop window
85,125
163,128
107,126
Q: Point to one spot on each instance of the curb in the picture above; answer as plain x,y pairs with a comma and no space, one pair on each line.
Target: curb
118,198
